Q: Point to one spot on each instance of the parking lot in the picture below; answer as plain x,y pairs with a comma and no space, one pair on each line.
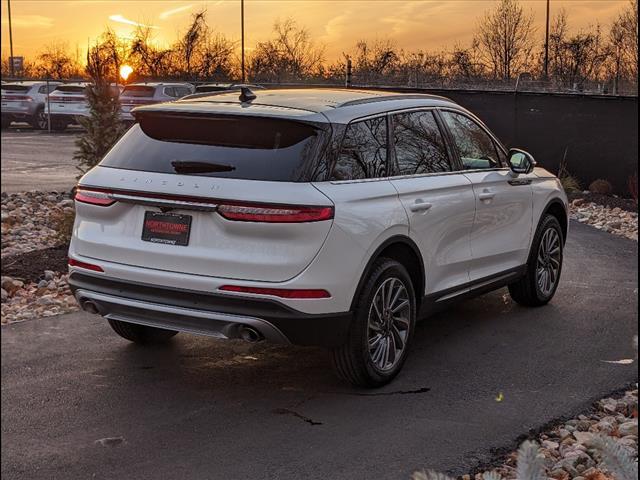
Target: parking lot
37,160
80,402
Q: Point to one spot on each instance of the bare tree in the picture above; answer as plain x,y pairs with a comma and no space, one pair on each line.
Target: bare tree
56,62
147,59
290,56
623,40
466,63
505,37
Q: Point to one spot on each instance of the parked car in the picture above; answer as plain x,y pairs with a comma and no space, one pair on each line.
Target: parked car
25,101
68,103
313,217
138,94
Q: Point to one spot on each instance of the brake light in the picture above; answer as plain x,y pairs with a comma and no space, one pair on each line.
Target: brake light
274,213
93,197
59,99
279,292
20,98
87,266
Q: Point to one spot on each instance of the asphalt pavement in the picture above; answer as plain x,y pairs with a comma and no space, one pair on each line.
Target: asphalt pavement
78,402
38,160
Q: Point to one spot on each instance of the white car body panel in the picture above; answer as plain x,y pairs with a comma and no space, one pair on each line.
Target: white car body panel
502,227
442,229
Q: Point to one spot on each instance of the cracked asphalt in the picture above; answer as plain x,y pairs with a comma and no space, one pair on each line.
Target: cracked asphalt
78,402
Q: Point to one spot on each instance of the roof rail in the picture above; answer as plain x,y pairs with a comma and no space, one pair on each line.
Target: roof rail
398,96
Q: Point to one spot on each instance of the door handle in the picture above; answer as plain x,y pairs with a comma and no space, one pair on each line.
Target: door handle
486,195
420,206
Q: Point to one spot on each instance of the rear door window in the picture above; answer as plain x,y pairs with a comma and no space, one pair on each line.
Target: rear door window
363,153
418,143
250,148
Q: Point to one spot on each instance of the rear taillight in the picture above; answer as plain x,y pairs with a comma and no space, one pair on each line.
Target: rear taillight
87,266
93,197
278,292
60,99
274,213
18,98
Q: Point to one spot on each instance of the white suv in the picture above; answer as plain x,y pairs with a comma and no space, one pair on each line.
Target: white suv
313,217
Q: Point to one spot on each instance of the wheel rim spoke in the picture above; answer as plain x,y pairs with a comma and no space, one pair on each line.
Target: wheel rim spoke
388,324
548,261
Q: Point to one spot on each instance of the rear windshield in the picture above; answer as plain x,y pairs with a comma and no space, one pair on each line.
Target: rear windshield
71,88
250,148
15,88
138,91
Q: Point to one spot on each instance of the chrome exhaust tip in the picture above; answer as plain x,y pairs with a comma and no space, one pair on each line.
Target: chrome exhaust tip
90,307
250,334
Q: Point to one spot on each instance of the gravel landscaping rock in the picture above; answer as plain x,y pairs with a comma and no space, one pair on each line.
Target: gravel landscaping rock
28,220
36,299
613,220
567,452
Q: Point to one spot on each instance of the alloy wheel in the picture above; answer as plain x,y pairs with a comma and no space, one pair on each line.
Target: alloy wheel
548,264
388,324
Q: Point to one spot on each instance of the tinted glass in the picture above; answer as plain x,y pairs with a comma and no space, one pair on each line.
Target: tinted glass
233,147
170,91
71,88
419,145
138,91
363,153
182,91
15,88
475,146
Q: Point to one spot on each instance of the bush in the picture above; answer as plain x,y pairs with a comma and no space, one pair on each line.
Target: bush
600,186
570,184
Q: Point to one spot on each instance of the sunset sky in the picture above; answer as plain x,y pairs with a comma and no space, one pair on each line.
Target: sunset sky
428,24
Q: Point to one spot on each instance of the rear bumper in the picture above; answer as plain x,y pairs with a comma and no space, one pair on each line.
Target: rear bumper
206,313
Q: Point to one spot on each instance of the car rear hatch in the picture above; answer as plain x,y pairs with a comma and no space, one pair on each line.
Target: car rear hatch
135,95
222,196
68,99
15,96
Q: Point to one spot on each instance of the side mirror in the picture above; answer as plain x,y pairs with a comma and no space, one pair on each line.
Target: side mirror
521,162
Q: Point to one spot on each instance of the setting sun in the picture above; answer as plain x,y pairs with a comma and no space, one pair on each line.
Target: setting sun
125,71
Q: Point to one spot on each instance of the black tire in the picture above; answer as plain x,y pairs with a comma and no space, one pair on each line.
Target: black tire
527,290
353,361
59,125
5,122
141,334
39,120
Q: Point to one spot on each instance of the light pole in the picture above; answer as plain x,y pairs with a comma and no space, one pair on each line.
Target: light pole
546,46
242,39
10,39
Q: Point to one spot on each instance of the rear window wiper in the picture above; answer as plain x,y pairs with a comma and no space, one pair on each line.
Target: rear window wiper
187,167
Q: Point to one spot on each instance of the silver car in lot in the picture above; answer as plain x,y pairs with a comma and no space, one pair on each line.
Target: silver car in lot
26,102
148,93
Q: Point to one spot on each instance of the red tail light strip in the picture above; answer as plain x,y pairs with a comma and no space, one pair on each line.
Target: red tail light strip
19,98
279,292
230,210
275,214
87,266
